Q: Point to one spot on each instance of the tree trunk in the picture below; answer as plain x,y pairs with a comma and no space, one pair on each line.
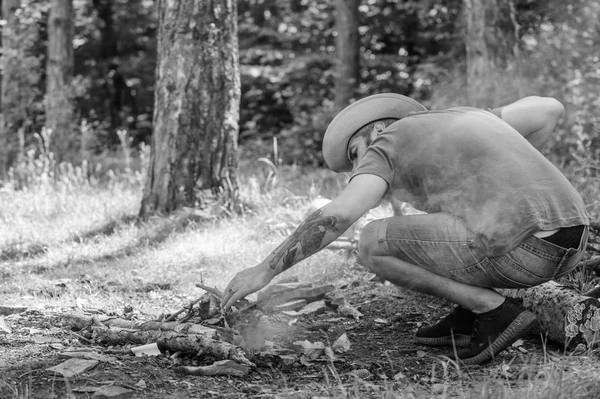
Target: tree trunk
564,316
59,71
347,46
491,41
196,109
108,39
11,117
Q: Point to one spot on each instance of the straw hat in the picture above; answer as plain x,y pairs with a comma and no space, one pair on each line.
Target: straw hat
358,115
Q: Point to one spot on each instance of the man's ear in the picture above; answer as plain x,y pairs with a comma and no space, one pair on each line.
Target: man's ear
379,127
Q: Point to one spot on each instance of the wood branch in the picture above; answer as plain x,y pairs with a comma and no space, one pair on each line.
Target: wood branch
222,367
213,291
564,316
310,294
218,295
199,344
188,307
81,322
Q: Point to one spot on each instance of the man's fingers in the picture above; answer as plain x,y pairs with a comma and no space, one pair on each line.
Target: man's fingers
232,300
226,296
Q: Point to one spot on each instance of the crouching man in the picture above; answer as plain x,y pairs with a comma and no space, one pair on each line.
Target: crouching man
499,214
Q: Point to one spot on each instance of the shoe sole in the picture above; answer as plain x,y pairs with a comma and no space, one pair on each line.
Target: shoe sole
458,340
519,326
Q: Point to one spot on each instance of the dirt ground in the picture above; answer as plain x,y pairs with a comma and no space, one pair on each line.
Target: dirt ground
382,358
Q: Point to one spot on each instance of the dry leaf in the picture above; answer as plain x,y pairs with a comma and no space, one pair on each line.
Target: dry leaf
348,310
342,344
309,349
4,328
141,384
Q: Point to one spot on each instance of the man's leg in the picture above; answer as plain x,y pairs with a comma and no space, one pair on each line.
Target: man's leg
440,243
418,278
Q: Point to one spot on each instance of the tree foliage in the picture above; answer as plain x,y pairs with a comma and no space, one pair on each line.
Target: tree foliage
287,65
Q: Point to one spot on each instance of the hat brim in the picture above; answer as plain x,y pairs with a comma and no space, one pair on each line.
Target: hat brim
358,115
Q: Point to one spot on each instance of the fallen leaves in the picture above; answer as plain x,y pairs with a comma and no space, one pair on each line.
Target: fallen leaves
342,344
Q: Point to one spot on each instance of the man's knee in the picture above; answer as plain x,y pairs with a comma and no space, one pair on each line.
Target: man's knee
369,242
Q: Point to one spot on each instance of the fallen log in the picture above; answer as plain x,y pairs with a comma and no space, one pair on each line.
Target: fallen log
79,322
564,316
172,336
198,344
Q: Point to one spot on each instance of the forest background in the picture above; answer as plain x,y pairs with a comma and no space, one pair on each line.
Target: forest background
75,156
288,68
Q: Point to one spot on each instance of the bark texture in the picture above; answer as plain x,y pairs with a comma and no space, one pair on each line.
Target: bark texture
59,77
564,316
491,42
17,91
184,337
196,110
347,46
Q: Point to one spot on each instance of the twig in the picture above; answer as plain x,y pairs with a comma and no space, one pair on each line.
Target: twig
28,372
213,291
81,337
219,295
174,315
250,305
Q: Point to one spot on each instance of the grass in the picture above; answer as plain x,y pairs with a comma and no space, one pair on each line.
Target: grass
74,240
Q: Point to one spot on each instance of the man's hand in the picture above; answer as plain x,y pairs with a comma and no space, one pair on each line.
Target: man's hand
244,283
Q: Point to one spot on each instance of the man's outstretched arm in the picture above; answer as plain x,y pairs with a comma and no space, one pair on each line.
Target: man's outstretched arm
316,232
534,117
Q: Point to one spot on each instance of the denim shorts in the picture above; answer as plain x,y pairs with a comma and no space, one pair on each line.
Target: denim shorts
441,243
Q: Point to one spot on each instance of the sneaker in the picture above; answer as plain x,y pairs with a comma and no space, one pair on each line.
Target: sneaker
495,331
453,330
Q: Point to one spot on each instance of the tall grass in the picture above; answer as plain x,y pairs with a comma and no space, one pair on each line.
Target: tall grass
45,202
71,238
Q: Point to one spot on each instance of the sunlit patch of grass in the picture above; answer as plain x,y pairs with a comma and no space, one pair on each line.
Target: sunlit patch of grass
71,243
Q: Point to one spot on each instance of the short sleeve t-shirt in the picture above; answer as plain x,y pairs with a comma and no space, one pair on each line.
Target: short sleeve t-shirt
469,163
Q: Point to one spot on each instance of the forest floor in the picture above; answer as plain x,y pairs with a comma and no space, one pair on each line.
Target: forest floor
383,360
83,250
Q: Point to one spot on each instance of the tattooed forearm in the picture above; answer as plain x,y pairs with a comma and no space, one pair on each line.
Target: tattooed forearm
305,241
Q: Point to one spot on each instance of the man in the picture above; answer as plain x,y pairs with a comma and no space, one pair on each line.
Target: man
499,214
